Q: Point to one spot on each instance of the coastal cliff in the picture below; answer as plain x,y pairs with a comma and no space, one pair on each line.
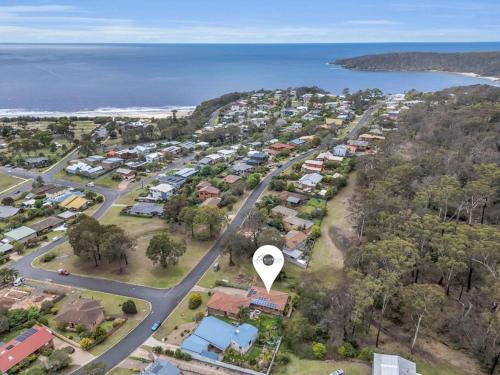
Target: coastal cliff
485,64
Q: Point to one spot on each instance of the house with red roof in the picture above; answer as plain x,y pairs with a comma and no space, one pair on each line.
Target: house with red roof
27,343
206,190
227,305
281,146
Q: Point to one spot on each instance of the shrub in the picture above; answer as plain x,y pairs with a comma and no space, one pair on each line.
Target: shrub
347,350
129,307
86,343
365,354
194,301
157,349
46,306
282,359
199,316
99,333
48,257
319,350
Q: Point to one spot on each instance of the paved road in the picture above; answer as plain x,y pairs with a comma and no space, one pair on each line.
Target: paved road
353,133
162,301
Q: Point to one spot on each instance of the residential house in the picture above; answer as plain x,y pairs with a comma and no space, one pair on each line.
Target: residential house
84,312
6,248
22,234
94,160
226,154
46,224
135,165
55,191
207,191
188,145
309,181
186,173
242,169
227,305
371,137
213,335
328,156
340,150
126,154
256,158
111,163
8,211
100,133
146,209
357,146
274,302
67,215
42,190
281,147
161,367
216,158
297,223
172,150
297,142
75,203
161,192
205,161
38,162
282,211
231,179
174,180
125,174
202,144
313,166
212,202
18,349
153,157
291,197
295,244
385,364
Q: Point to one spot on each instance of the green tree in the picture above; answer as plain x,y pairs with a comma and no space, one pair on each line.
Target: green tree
164,250
253,180
213,217
94,368
58,360
8,275
188,216
85,238
129,307
115,245
194,300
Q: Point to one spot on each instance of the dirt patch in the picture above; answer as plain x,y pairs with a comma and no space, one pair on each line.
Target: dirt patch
178,335
456,358
231,291
16,298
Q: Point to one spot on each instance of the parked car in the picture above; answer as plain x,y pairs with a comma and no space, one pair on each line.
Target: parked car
90,184
19,281
155,325
338,372
63,272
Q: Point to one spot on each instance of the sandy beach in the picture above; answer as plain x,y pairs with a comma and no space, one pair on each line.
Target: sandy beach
133,112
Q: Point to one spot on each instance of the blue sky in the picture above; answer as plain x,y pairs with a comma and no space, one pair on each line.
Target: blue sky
249,21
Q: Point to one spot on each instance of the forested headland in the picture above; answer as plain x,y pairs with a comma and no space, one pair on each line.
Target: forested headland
482,63
425,263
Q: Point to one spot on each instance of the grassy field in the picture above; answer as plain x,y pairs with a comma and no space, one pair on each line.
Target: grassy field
311,367
112,306
107,181
181,315
74,178
7,181
141,270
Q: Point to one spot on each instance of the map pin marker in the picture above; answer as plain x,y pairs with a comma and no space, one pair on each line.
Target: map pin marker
268,261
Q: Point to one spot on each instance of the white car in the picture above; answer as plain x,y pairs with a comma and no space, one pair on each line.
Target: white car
90,184
338,372
19,281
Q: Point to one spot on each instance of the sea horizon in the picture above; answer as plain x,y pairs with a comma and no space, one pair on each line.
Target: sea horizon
75,77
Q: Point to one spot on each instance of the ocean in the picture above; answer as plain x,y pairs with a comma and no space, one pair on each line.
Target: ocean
86,77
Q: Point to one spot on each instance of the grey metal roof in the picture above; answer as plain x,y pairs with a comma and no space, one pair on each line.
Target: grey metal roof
20,233
384,364
8,211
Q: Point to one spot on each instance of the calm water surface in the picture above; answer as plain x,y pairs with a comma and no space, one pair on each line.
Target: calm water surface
77,77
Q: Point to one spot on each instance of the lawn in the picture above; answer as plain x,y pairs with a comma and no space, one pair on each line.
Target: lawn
140,270
107,181
112,306
121,371
7,181
70,177
181,315
298,366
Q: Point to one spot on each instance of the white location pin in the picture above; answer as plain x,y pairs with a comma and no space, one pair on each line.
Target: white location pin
268,261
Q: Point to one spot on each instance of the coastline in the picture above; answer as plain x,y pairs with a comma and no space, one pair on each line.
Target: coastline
133,112
473,75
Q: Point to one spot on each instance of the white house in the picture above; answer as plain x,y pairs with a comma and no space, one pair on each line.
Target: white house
309,181
153,157
226,154
161,192
384,364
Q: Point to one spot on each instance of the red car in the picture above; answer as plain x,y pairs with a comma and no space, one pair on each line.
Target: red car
63,272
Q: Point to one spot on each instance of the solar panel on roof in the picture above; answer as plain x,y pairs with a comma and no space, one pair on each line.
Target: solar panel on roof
28,333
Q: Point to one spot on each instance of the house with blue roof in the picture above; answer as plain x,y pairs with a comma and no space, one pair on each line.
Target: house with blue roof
297,142
161,367
213,336
340,150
